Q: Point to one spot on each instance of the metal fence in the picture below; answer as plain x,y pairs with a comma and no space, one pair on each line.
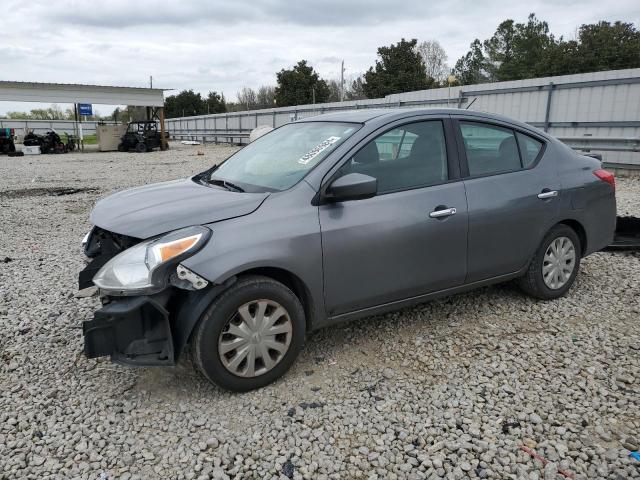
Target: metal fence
597,111
43,126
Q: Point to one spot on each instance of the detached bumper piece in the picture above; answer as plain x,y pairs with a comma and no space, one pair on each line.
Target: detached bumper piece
133,331
627,234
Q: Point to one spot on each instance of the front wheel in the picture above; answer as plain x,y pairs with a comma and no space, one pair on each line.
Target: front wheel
141,147
554,266
250,335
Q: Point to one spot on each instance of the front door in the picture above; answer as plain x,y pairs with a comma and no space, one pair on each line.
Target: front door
408,240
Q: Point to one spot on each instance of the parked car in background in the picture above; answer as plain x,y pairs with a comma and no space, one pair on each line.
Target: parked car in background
333,218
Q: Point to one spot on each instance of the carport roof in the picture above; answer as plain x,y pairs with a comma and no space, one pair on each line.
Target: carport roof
77,93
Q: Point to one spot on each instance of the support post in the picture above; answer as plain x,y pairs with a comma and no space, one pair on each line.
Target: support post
547,114
163,140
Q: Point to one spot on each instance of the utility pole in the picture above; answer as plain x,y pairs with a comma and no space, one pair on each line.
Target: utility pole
150,81
450,80
342,81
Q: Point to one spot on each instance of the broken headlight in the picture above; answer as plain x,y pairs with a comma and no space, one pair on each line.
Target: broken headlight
143,268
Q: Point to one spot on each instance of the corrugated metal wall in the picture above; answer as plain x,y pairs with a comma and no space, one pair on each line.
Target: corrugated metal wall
599,104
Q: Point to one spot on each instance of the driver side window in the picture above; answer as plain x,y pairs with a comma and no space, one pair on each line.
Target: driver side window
410,156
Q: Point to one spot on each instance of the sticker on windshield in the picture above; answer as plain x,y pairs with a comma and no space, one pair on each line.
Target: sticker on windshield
311,154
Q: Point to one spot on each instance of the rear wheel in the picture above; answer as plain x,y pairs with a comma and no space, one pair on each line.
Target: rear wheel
141,147
554,266
250,335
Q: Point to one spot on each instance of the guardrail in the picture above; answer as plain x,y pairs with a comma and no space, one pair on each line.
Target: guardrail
210,135
604,144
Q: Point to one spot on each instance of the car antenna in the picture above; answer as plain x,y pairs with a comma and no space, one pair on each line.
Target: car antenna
474,99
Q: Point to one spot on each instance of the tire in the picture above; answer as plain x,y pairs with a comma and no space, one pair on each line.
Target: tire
533,283
141,147
213,331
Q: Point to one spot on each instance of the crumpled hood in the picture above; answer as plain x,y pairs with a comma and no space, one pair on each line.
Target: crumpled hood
150,210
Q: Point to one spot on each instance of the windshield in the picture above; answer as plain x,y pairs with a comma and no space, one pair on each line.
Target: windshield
279,159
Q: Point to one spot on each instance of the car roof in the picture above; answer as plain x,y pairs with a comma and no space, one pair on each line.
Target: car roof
361,115
366,115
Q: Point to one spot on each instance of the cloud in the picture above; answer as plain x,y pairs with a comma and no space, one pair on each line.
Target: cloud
223,46
310,13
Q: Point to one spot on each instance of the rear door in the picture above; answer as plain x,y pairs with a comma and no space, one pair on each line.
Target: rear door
409,239
512,194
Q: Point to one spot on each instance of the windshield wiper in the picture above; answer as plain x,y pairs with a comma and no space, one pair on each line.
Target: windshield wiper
226,184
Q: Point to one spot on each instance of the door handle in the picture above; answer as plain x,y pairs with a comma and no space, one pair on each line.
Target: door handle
546,193
446,212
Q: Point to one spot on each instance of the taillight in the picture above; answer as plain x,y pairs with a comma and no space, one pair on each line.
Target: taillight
606,176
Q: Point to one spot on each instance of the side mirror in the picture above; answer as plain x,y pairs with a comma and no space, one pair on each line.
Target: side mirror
353,186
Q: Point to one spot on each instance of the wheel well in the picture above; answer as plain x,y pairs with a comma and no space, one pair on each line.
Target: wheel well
293,283
580,231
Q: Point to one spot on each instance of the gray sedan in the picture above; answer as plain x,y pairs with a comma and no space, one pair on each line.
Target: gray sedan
333,218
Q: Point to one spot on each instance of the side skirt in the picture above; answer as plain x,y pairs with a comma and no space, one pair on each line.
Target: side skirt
412,301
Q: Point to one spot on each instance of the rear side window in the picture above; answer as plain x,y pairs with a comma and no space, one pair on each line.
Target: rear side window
490,149
529,148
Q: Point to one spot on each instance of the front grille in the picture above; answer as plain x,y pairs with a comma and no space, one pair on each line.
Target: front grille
102,242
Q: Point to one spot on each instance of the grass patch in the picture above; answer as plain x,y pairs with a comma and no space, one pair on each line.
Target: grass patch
91,139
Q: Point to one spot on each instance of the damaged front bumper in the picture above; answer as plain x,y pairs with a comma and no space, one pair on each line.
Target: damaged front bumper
146,327
147,330
132,330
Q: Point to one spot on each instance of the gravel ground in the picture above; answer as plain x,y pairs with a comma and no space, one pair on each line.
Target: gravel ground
455,388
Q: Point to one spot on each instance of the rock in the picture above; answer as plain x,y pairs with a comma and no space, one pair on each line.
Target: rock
535,418
147,455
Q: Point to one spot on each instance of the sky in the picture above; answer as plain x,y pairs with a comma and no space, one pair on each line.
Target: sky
223,46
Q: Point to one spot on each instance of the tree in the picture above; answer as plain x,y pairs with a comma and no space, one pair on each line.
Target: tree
247,98
17,115
299,86
529,50
499,52
215,103
334,91
355,91
530,45
471,68
54,112
266,96
518,50
185,103
398,69
560,58
435,60
603,46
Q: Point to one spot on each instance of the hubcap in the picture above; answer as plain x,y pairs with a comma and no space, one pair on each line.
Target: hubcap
558,263
255,338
